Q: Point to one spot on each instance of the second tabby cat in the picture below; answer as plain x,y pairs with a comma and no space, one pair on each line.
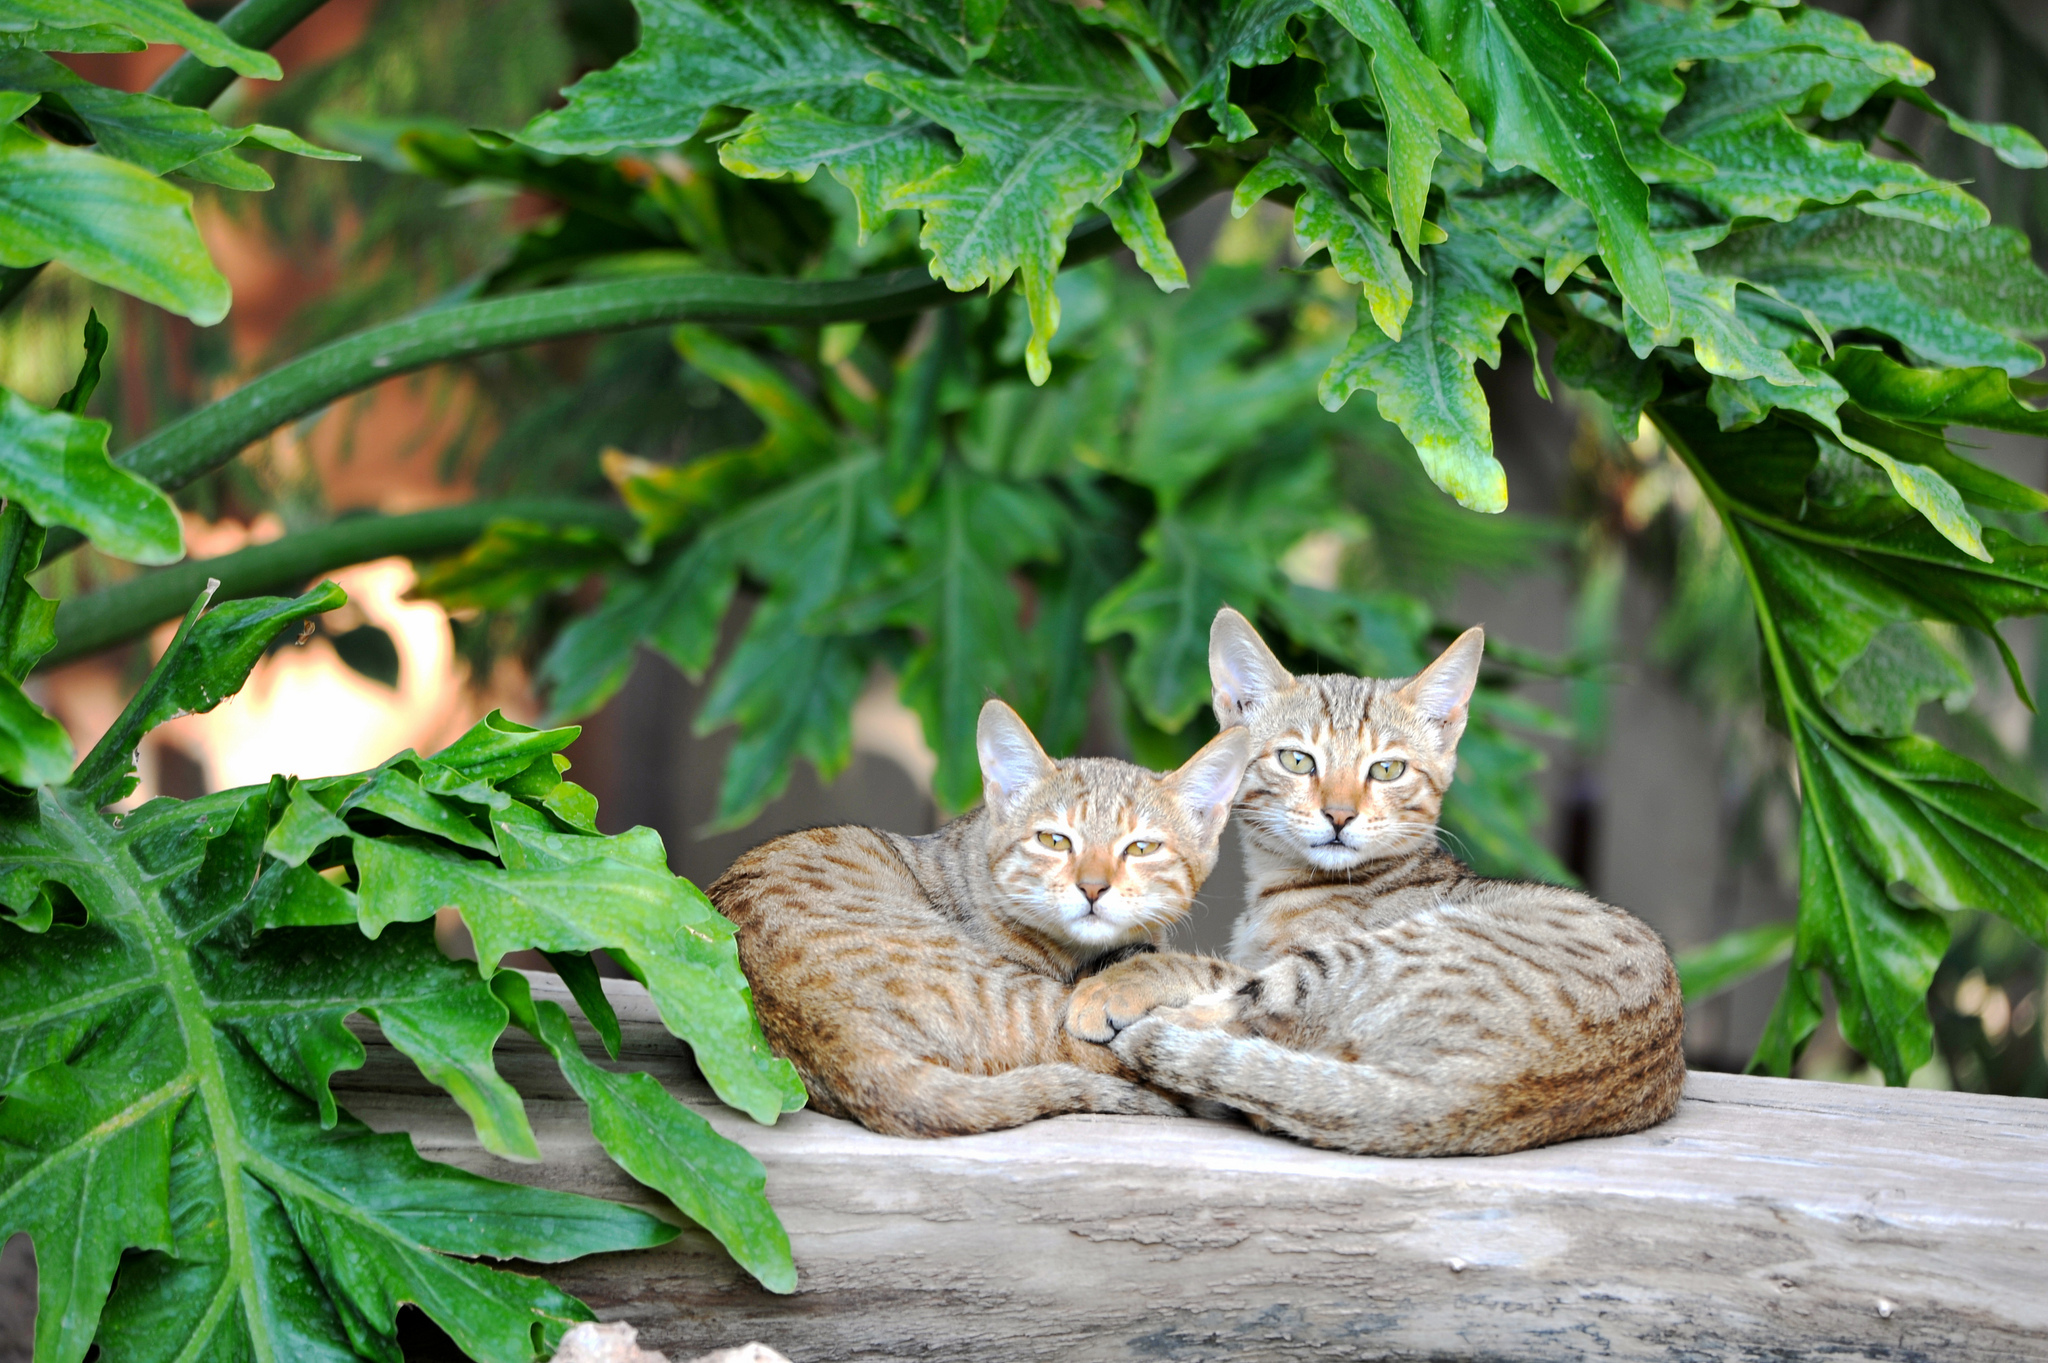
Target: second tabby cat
1382,998
919,984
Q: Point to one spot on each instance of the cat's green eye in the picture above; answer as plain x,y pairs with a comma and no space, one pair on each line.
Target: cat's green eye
1296,761
1140,848
1058,842
1387,771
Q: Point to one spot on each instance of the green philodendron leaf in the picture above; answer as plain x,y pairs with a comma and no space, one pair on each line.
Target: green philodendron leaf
514,561
1794,1018
1134,213
55,466
1902,669
671,498
1819,398
1330,216
957,32
1892,825
1425,382
1880,955
1765,167
1955,298
150,132
1221,548
951,587
207,661
154,21
1704,311
870,158
681,945
1980,397
1727,961
1521,68
1419,103
34,748
110,221
1197,401
17,32
790,689
695,55
2014,146
1048,124
666,1146
1241,35
166,1081
677,609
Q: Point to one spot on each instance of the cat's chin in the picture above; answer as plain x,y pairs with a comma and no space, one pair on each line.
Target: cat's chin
1331,856
1097,934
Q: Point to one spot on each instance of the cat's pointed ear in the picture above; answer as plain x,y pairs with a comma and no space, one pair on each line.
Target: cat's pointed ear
1011,760
1443,691
1242,671
1207,783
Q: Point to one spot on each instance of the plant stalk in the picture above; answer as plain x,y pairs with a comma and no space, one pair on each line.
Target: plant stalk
202,441
98,620
253,23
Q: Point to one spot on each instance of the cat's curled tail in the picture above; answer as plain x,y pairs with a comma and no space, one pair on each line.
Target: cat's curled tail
1376,1109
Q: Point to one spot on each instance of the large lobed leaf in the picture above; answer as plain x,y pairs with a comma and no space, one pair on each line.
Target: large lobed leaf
187,969
1892,825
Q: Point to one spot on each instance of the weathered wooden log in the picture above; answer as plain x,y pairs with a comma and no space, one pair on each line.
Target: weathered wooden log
1769,1219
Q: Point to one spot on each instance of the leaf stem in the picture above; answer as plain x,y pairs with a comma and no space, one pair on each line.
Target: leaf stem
86,624
201,442
253,23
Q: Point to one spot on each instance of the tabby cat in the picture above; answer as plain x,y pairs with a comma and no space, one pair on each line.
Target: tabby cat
1381,997
919,985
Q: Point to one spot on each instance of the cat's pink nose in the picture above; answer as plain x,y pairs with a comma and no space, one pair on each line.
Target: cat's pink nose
1339,816
1094,890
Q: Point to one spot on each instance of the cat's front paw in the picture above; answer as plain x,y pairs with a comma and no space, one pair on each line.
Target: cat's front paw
1105,1004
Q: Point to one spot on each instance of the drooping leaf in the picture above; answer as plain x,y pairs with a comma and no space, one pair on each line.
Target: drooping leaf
1418,102
1330,215
1520,67
666,1146
1425,382
154,21
1891,824
662,924
208,660
788,688
1735,117
110,221
951,587
1955,298
1980,397
55,466
1048,124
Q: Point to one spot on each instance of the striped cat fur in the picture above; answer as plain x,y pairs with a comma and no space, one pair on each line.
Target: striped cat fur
920,985
1380,997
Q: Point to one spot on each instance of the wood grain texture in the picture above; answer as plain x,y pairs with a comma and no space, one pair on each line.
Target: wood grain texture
1769,1219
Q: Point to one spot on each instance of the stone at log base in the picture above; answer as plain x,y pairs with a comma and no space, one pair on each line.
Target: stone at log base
618,1342
1768,1220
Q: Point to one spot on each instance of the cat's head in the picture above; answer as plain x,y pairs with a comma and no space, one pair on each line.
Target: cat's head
1096,853
1343,770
